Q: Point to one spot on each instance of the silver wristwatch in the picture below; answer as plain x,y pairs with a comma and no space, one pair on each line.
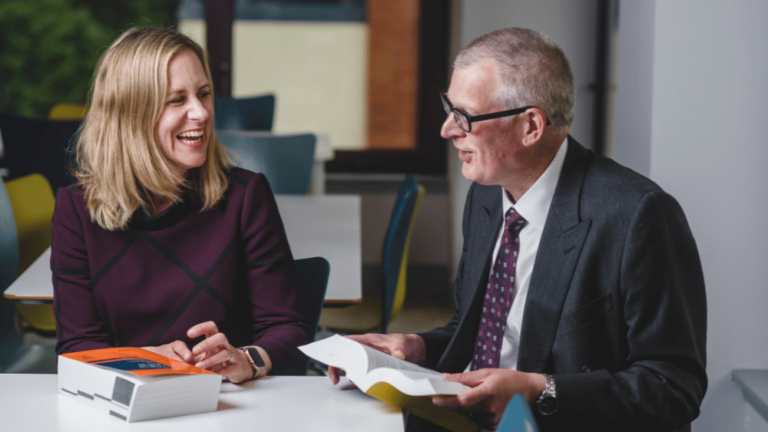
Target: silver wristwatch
547,402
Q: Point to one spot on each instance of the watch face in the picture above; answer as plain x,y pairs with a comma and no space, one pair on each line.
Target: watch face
547,405
256,357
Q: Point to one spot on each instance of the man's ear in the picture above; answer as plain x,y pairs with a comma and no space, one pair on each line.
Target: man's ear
534,121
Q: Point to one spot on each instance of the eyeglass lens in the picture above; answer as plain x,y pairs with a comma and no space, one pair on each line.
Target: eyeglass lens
458,116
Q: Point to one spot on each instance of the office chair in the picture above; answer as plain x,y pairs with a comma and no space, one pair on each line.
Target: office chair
378,308
38,145
11,345
9,241
251,113
286,160
33,203
313,281
68,111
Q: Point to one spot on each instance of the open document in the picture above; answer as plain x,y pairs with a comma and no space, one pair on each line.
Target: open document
397,382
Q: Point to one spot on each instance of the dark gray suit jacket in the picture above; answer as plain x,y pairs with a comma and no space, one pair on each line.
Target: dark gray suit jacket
616,308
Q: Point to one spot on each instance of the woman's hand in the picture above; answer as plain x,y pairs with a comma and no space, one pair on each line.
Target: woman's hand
176,350
216,354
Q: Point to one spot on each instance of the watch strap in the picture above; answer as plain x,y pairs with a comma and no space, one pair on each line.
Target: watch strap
547,402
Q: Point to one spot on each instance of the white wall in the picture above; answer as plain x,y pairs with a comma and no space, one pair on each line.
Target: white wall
570,23
707,147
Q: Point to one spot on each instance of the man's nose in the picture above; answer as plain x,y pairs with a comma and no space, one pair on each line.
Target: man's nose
450,129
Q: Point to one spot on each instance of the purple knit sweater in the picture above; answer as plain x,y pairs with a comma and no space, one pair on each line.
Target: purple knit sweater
147,285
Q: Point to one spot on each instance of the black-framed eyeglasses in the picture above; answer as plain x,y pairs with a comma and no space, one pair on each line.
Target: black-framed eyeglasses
464,120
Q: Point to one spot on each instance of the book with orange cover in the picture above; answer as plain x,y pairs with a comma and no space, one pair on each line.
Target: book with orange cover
133,384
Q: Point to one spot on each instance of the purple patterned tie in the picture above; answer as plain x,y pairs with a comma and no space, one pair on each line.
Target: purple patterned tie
499,295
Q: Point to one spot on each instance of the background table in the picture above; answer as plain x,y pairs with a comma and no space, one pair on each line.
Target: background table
323,225
31,403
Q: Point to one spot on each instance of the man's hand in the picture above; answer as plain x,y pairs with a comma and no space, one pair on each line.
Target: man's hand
409,347
491,391
176,350
216,354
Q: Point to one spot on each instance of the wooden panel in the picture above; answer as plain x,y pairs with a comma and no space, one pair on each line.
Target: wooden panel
393,73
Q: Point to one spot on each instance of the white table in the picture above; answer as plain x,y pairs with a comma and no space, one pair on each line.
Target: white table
327,226
31,403
323,152
323,225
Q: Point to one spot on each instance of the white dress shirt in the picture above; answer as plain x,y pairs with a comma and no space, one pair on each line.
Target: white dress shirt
533,206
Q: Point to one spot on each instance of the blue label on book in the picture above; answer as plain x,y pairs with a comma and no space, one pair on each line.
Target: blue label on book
132,364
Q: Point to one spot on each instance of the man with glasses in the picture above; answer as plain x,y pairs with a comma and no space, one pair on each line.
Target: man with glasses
580,284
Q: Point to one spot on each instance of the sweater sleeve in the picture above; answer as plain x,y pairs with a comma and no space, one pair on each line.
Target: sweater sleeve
277,324
78,324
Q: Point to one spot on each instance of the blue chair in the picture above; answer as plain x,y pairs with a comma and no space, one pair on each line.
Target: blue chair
252,113
9,240
517,417
313,281
38,145
286,160
378,308
11,346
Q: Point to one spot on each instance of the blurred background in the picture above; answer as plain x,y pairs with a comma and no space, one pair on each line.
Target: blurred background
49,48
674,90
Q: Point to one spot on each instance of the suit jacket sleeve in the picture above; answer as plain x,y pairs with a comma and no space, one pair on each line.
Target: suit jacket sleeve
661,380
437,340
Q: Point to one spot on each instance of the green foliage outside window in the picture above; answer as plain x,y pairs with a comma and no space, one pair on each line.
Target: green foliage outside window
49,48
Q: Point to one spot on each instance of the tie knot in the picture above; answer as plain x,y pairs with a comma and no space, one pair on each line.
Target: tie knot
513,220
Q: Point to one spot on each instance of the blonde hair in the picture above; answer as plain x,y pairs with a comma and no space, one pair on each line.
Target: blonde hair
120,164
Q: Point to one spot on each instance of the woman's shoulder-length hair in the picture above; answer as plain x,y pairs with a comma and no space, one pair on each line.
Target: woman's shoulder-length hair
119,162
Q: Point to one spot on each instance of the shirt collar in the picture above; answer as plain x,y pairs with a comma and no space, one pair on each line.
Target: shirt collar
533,206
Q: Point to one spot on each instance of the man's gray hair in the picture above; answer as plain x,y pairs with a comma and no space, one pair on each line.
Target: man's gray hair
533,70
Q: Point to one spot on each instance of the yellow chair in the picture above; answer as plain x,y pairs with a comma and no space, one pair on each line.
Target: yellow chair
33,202
379,307
67,111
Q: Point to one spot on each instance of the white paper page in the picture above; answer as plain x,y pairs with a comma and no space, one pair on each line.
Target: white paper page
377,359
356,358
412,383
339,352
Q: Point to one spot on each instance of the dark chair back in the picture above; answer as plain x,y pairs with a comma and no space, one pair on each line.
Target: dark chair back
286,160
38,145
252,113
313,281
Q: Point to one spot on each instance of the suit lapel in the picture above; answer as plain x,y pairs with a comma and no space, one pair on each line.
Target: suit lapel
485,229
559,249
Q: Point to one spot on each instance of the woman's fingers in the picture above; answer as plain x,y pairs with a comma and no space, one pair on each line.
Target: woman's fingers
212,345
206,329
221,359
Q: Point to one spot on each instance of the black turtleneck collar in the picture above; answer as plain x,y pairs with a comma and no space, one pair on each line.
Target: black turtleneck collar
144,220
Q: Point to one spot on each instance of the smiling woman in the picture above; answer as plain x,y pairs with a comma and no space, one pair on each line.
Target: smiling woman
162,242
185,121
